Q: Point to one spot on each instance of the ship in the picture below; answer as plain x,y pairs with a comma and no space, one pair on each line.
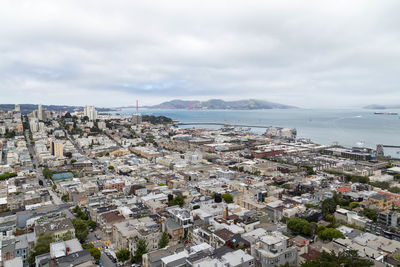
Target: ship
385,113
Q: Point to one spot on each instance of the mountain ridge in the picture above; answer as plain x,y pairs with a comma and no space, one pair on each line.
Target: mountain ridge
377,106
212,104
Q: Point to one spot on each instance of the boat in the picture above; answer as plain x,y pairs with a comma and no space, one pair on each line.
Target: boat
385,113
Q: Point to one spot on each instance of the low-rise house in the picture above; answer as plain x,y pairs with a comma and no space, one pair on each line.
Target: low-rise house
274,249
108,219
57,227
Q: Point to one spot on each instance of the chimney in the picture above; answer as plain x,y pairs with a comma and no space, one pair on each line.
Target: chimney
67,251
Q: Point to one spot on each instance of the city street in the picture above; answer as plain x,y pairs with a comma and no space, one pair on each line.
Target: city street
106,260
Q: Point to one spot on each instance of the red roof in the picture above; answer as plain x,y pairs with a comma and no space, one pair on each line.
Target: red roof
389,194
344,189
311,255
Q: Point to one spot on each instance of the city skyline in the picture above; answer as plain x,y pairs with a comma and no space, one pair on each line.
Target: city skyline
309,54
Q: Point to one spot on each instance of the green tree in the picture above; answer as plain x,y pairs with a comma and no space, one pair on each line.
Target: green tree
227,198
296,225
164,240
123,255
370,214
353,205
141,249
87,246
111,167
65,198
42,246
67,236
96,254
178,200
308,229
7,175
81,229
92,224
47,173
328,206
394,189
349,258
330,233
76,209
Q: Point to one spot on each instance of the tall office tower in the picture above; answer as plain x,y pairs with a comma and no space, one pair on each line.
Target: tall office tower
40,112
90,112
17,108
137,118
47,114
57,148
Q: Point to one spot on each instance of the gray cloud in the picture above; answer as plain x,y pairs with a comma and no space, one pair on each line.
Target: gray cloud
110,53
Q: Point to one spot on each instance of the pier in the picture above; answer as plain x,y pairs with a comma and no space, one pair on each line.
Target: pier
221,124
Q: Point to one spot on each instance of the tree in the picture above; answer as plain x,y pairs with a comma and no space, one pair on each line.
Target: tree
353,205
308,229
123,255
81,229
96,254
92,224
370,214
349,258
328,206
65,198
330,218
178,200
111,167
164,240
227,198
42,246
67,236
87,246
7,175
141,249
296,224
47,173
330,233
76,209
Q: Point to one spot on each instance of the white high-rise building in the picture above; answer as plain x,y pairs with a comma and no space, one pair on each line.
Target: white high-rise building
34,124
137,118
90,112
17,108
40,112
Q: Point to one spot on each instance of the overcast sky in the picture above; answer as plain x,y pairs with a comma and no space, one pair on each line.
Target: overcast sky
110,53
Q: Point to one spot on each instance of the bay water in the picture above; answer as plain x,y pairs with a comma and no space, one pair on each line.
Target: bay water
348,127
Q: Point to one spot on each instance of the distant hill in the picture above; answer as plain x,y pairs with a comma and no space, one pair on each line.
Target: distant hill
249,104
374,106
28,108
